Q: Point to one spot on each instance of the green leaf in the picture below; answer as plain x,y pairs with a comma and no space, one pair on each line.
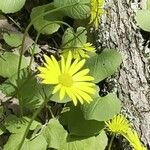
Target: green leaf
1,111
104,65
11,6
77,125
38,143
102,108
13,141
2,129
54,133
17,125
148,4
142,18
31,91
101,140
46,24
7,88
74,39
88,143
9,64
27,89
77,9
12,39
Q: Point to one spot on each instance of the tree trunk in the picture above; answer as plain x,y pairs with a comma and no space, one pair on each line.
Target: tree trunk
118,30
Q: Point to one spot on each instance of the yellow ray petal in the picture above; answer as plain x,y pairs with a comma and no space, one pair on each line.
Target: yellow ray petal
78,96
77,67
73,65
49,81
68,61
80,73
83,78
56,65
84,95
71,95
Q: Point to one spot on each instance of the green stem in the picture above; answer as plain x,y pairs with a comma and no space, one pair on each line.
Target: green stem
111,141
33,50
32,119
28,127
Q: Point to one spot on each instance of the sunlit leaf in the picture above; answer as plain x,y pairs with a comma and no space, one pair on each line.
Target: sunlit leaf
11,6
46,24
142,18
38,143
86,143
54,133
102,108
77,9
15,124
9,64
12,39
104,65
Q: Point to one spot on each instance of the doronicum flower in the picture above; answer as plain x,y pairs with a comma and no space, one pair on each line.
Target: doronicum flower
80,51
134,140
68,78
96,11
118,124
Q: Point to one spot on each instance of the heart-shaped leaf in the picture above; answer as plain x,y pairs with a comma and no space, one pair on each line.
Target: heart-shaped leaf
142,18
45,24
9,64
102,108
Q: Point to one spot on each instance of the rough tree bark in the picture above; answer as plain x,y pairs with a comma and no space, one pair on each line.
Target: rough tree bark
118,30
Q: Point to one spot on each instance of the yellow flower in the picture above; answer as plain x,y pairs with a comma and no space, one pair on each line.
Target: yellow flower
68,78
134,140
96,11
80,51
118,125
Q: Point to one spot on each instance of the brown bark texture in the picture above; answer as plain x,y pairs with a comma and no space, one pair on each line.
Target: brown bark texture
118,30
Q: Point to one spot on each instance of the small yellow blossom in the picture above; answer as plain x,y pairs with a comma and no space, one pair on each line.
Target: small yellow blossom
80,51
68,78
120,125
96,11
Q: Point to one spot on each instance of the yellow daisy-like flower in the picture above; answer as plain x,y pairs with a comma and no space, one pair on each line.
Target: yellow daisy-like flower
134,140
96,11
119,124
68,78
80,51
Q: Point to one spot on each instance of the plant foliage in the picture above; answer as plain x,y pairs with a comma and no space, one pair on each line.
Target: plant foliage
40,119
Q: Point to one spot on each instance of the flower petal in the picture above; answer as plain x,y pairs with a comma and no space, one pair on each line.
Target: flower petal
77,67
62,92
68,62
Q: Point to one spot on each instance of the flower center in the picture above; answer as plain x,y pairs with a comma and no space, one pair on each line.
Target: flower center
65,79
